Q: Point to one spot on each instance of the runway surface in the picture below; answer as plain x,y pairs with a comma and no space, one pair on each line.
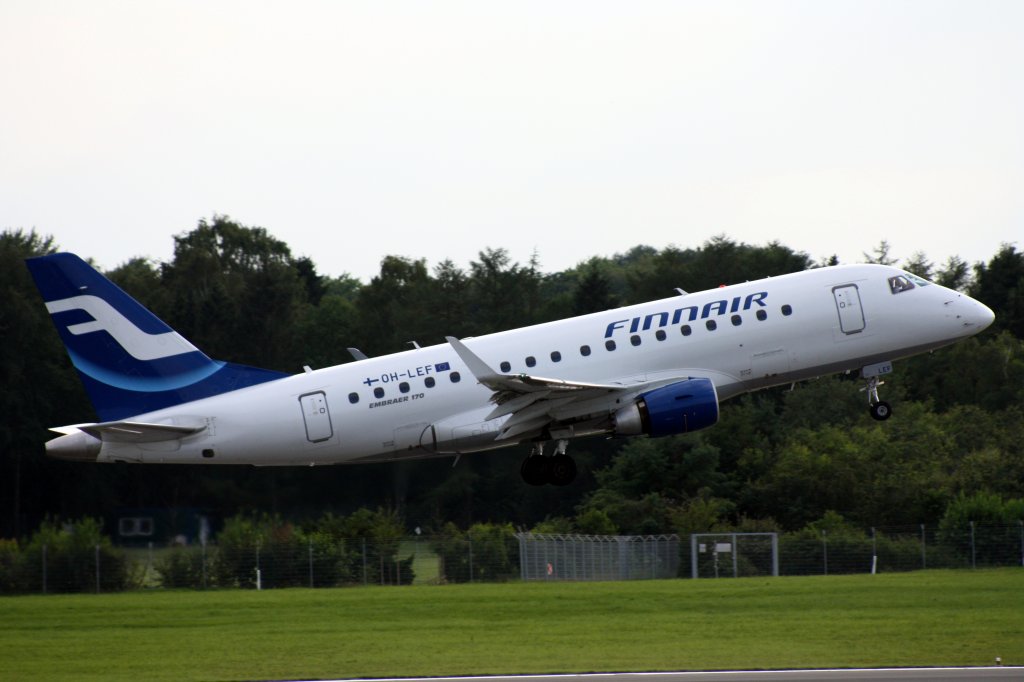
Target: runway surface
844,675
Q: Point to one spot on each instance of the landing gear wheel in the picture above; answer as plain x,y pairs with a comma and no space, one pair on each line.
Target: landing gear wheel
880,411
536,470
562,470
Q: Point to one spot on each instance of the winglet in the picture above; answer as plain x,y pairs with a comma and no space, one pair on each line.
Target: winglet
480,369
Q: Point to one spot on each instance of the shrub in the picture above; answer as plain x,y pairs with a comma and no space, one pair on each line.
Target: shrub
182,567
66,558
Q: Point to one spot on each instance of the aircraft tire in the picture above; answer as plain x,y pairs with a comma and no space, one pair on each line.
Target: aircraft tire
881,411
562,470
536,470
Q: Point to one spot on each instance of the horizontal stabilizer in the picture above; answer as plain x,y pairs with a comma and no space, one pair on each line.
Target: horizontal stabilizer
133,432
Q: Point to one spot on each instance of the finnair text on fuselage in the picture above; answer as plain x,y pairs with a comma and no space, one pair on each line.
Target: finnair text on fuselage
666,318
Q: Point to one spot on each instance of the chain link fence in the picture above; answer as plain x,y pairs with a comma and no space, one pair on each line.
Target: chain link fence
597,557
67,565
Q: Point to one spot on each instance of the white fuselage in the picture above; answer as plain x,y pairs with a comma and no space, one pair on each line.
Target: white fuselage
767,332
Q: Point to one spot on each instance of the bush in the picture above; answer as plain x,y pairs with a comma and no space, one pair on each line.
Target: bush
996,529
10,557
495,550
182,567
66,558
332,551
452,547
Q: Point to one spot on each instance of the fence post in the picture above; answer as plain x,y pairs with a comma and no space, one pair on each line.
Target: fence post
522,556
973,557
735,558
824,544
259,576
693,555
205,586
874,552
44,569
311,562
97,569
364,562
470,559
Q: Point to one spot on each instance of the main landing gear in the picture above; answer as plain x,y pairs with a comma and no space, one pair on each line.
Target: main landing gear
879,409
557,469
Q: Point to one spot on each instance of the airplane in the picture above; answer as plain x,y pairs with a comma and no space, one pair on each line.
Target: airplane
654,369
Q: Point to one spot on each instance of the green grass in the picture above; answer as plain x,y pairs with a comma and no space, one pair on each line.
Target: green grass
914,619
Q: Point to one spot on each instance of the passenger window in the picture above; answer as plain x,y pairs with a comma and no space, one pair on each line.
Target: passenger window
787,310
685,329
556,356
660,335
506,366
455,377
711,325
531,361
378,392
762,315
635,340
736,320
353,398
584,351
609,344
403,387
429,382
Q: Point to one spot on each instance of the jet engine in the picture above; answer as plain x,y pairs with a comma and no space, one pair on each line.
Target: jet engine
677,408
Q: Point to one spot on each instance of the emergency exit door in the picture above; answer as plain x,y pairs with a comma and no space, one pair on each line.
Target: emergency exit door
316,416
851,315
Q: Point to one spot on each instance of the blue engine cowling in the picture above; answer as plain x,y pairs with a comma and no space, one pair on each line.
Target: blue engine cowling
677,408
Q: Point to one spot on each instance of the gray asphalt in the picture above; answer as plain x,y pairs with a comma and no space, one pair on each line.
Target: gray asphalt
845,675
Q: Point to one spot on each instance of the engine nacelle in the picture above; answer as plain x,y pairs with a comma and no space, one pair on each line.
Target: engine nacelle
677,408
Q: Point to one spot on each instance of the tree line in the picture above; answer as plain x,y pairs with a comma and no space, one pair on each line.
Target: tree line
779,459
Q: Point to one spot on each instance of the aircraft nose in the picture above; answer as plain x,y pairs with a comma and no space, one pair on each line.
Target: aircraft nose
983,314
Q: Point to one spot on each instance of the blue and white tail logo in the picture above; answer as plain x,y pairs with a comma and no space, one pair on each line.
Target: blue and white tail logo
129,360
134,341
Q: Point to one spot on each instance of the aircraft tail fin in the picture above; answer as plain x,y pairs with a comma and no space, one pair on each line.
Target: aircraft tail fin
129,360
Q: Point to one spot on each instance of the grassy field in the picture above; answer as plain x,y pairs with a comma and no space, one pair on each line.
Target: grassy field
915,619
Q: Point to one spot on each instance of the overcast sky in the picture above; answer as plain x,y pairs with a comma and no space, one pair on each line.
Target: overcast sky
354,130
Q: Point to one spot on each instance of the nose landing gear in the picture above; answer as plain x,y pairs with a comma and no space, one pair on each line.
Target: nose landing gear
879,409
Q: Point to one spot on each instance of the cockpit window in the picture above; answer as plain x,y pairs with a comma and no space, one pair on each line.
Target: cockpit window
899,284
906,282
919,281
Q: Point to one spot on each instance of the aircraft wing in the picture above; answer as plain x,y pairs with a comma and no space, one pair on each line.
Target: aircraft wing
537,404
132,432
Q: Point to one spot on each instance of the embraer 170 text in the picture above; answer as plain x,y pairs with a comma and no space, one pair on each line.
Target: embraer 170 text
656,368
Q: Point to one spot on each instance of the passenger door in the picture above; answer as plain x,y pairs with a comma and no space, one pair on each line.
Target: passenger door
851,314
